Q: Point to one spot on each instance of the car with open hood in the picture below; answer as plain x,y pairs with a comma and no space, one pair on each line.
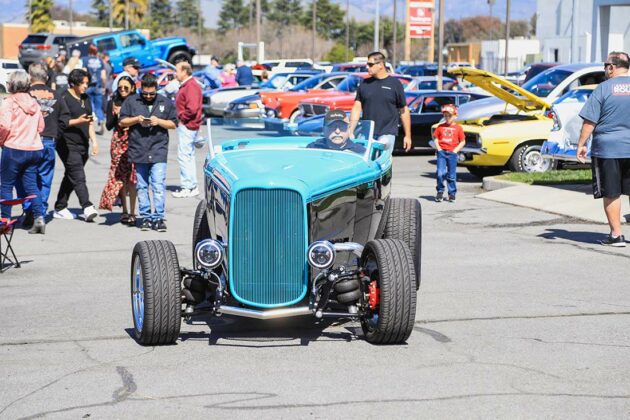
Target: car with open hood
289,228
505,140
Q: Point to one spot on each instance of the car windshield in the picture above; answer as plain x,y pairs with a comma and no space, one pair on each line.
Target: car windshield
574,96
350,84
276,81
310,83
232,134
545,82
35,39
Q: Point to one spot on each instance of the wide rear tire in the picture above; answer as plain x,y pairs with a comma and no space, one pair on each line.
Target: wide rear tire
404,222
389,264
155,293
201,230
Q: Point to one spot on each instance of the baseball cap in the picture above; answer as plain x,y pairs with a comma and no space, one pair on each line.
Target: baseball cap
131,61
450,108
334,115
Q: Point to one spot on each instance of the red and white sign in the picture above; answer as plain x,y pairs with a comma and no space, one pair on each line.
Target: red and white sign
420,15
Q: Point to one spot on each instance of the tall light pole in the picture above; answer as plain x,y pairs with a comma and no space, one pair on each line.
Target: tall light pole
314,30
507,36
71,15
376,24
258,12
395,20
347,29
574,32
440,44
111,16
199,24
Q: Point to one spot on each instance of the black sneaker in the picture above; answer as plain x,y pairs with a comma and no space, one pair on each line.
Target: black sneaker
619,241
439,197
146,225
28,220
451,198
160,226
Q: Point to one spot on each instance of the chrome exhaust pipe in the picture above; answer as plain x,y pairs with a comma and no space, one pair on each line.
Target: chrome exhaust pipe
270,314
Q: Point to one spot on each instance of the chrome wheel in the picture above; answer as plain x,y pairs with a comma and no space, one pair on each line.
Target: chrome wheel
533,161
137,294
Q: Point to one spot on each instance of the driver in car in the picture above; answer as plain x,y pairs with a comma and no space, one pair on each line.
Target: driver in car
336,134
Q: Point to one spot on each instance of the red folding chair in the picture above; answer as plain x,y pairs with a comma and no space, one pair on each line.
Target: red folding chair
7,254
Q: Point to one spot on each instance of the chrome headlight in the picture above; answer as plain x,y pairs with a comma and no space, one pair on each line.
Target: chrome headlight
209,253
321,255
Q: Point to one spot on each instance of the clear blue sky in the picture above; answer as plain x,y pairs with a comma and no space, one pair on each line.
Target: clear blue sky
14,11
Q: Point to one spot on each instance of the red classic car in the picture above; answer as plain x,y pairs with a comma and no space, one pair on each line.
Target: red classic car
286,105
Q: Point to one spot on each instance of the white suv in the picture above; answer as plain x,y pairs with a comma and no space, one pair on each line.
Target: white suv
6,68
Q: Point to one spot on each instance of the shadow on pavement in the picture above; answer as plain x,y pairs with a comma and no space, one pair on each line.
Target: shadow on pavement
583,237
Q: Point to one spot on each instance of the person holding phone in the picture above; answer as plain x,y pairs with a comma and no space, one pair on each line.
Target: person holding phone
73,148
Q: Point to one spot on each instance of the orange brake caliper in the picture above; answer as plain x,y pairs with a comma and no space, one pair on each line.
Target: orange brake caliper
374,296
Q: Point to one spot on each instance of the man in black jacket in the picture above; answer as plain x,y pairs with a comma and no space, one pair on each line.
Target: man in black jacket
149,116
56,117
336,134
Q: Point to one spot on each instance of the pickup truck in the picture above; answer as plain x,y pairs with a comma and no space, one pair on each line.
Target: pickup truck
123,44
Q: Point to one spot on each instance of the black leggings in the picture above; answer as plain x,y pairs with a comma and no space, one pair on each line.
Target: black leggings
73,177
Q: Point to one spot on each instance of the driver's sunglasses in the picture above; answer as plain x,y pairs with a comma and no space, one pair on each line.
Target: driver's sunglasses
149,94
373,64
341,125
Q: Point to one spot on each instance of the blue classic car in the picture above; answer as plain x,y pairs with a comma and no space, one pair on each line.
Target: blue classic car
287,229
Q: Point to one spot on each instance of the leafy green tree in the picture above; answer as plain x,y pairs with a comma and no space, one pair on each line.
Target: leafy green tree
330,20
285,12
188,13
101,12
233,15
338,53
39,15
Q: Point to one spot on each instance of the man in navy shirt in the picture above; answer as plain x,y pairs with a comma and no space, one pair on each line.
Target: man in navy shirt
149,116
605,116
96,87
244,75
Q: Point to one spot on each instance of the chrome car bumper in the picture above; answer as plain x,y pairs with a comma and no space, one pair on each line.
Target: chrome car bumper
553,150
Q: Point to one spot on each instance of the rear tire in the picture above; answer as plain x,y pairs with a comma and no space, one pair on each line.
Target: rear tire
527,158
156,300
404,222
389,263
178,56
201,230
484,171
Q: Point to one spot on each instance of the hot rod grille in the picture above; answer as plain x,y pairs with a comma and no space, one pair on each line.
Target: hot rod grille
268,247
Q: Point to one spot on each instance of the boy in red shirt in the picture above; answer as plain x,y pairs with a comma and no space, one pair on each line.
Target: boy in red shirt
449,140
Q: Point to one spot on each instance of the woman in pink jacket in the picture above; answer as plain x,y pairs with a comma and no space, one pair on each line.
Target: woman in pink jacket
21,122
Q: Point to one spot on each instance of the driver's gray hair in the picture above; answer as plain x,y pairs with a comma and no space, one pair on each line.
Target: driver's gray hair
19,81
38,73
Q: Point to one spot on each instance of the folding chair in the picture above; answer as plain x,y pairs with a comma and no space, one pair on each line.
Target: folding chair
7,254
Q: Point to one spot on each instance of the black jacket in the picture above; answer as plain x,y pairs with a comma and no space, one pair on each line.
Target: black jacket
148,144
55,110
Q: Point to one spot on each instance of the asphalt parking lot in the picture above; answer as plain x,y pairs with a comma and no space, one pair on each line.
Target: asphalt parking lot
520,315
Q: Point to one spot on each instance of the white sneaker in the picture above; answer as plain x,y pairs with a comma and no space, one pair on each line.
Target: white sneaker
200,142
186,193
89,213
64,214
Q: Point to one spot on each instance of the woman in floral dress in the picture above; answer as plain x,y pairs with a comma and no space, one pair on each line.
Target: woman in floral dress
122,175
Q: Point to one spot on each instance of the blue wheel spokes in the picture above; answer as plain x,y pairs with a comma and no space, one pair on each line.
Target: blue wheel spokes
138,295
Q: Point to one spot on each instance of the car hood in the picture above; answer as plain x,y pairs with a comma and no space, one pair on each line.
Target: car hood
284,168
502,89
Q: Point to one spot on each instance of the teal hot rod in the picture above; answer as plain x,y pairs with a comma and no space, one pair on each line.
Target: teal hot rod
288,230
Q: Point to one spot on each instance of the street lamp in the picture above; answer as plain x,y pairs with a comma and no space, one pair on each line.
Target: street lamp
376,24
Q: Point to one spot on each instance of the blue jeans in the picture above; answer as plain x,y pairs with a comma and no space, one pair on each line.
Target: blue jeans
96,98
154,175
15,165
186,157
45,174
447,168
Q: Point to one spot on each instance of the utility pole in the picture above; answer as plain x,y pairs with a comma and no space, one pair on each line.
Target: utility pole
490,4
507,36
407,54
395,20
440,44
314,30
71,15
376,24
574,32
347,29
258,17
126,14
199,25
111,16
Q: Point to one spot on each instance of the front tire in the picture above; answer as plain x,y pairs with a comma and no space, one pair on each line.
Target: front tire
404,222
527,158
178,56
389,265
155,293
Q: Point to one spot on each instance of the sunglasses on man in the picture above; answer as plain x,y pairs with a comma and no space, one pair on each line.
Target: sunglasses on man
374,63
149,94
608,64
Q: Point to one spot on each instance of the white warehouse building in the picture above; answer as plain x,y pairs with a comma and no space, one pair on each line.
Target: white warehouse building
601,26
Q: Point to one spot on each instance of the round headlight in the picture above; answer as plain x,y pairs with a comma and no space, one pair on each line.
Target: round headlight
321,255
209,253
271,113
